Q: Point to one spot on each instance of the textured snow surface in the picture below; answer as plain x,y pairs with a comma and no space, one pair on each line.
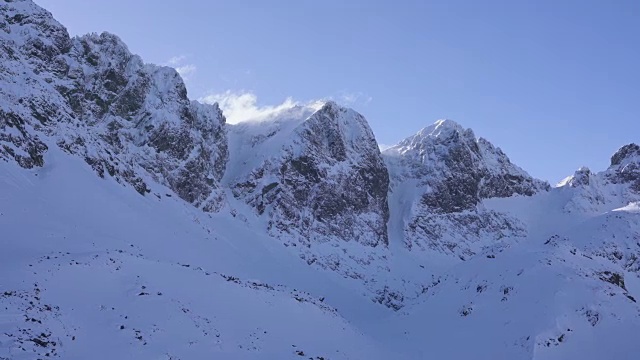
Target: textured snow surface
90,269
87,257
137,224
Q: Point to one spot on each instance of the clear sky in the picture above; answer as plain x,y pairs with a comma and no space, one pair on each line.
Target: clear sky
555,84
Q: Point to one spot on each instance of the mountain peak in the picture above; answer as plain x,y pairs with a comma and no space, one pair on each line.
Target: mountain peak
329,108
28,25
106,37
444,132
329,105
629,152
446,123
441,128
581,177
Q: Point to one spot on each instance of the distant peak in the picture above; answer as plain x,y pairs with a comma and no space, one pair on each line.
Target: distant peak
580,177
442,127
331,110
105,38
446,123
442,130
624,153
330,104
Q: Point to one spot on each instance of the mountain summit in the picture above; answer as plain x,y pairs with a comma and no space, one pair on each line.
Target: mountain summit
448,172
130,120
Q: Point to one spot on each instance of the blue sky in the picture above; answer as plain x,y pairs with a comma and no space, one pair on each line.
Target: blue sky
555,84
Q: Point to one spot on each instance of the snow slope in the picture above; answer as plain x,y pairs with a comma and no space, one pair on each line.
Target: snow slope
91,269
105,273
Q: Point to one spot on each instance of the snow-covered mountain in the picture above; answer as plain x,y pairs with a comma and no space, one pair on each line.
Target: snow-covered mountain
439,178
135,223
616,187
98,101
319,181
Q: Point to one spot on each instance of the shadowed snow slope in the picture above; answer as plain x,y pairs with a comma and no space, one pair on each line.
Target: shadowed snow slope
100,272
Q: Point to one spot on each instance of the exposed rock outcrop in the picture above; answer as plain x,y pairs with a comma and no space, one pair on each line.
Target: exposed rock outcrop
97,100
450,172
318,178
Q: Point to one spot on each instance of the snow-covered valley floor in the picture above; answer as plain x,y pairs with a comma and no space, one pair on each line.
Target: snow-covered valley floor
90,269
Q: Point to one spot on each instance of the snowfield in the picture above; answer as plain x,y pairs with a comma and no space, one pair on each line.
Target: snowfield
105,273
91,269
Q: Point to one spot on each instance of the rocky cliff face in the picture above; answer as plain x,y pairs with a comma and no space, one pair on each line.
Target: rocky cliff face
625,167
317,177
313,176
459,169
617,186
450,172
127,119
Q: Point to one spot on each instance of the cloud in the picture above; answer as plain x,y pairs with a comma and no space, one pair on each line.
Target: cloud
178,63
176,60
353,98
243,106
384,147
239,106
186,70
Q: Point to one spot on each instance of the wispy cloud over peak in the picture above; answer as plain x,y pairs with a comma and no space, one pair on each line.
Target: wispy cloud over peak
179,63
243,106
